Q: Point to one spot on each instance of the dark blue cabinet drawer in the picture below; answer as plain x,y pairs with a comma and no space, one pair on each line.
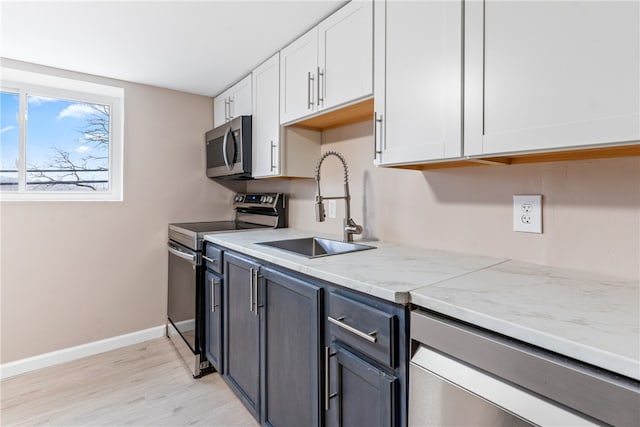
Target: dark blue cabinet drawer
213,258
365,328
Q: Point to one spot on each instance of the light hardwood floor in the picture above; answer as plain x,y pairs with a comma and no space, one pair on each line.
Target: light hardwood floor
143,384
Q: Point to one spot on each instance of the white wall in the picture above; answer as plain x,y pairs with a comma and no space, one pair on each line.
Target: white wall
591,209
78,272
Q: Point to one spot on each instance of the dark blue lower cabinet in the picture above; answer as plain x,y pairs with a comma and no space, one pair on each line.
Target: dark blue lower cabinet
302,352
213,318
242,330
291,319
360,394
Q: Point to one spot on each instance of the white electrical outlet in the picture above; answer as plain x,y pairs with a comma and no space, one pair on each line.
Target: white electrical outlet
527,213
331,208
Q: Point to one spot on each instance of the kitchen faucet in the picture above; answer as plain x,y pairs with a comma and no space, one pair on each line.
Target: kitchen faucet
350,227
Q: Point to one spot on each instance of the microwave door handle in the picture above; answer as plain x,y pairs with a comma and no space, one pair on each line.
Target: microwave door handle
224,148
235,149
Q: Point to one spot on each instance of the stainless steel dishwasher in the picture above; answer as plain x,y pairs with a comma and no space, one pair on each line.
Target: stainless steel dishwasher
461,375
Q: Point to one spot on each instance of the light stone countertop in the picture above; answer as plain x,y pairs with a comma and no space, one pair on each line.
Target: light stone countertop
585,316
389,272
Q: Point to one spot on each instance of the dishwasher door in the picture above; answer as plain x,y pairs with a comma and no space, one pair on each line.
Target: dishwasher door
444,392
462,375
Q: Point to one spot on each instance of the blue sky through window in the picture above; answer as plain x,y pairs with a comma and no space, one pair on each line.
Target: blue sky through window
60,134
9,132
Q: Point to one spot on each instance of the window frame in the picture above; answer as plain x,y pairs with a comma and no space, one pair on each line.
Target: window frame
26,82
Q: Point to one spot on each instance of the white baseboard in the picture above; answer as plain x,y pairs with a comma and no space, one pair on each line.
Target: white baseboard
29,364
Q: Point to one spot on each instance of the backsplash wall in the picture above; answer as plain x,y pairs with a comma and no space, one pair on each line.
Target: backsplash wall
591,208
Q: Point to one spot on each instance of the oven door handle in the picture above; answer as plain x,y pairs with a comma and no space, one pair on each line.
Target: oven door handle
186,256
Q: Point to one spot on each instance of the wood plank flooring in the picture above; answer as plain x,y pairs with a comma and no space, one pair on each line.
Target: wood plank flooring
143,384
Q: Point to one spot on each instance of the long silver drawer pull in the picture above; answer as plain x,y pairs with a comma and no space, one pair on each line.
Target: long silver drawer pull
251,290
211,260
255,289
377,135
310,79
327,382
213,295
327,395
371,336
272,147
320,98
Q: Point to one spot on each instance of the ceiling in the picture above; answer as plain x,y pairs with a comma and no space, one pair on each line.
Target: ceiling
199,47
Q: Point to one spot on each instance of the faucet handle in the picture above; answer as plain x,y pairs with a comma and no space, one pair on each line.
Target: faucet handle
357,229
351,228
320,215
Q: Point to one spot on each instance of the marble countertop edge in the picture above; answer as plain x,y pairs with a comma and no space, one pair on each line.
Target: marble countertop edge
550,342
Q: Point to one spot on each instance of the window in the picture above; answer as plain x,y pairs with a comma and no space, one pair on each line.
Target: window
60,139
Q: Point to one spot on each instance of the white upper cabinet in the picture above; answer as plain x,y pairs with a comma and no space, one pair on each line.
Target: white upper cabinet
278,151
233,102
220,110
541,75
265,138
418,81
298,68
330,65
345,55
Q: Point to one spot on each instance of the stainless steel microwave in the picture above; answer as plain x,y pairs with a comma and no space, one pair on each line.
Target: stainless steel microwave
229,150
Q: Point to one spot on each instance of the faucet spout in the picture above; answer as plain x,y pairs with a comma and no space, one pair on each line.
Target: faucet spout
350,227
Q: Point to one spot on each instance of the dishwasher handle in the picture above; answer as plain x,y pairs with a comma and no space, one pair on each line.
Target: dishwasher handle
180,253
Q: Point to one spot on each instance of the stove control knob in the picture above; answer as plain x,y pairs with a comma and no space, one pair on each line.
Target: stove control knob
262,199
270,199
238,198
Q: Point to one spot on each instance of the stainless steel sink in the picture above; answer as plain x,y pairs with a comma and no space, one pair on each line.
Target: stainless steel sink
314,247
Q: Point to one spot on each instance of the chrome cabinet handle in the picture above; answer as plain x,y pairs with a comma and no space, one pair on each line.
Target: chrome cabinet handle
310,79
327,394
378,122
273,146
211,260
255,289
320,92
371,336
251,270
327,384
214,282
375,135
213,295
226,110
230,112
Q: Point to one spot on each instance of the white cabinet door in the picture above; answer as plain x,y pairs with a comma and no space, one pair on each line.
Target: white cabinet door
298,68
240,98
345,61
418,81
220,109
233,102
541,75
266,119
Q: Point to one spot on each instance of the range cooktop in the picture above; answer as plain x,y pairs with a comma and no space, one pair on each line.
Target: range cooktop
253,211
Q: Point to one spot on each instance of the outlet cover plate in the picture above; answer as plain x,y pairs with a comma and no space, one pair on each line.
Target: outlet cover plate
527,213
331,211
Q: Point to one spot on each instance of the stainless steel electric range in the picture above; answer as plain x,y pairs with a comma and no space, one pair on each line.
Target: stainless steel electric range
185,308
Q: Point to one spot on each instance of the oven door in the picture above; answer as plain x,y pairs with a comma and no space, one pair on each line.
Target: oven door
182,296
224,149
